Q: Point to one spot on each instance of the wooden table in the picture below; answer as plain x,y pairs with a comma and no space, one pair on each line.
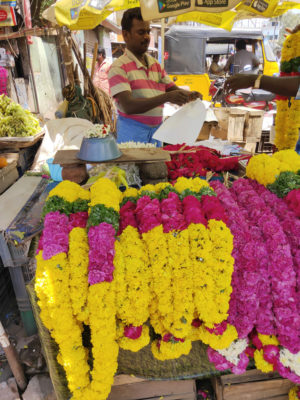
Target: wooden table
75,170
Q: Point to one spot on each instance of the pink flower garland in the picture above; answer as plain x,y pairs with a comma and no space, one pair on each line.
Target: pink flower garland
101,254
148,214
55,235
293,201
171,213
192,211
127,216
290,225
213,209
244,302
280,267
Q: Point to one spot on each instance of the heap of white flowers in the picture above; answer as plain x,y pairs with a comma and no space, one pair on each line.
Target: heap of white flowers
98,131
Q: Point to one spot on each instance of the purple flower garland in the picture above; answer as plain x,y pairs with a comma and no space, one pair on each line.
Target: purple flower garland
244,302
280,266
55,237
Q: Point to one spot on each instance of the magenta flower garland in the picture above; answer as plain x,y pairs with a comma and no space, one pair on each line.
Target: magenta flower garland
55,238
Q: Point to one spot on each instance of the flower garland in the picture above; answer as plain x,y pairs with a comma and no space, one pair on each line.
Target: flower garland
281,267
132,278
52,285
105,199
249,255
287,121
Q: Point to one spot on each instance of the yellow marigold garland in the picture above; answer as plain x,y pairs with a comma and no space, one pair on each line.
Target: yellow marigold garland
265,169
188,183
52,288
69,191
79,260
287,121
132,278
132,344
213,267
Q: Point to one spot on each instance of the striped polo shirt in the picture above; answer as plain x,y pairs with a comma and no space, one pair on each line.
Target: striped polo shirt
127,73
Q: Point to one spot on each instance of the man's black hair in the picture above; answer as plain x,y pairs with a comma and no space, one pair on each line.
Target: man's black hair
101,51
129,16
241,44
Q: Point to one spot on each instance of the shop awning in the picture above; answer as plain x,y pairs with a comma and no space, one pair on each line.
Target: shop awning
218,13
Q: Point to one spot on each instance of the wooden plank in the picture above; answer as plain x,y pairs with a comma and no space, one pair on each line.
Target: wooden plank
249,376
152,389
217,386
68,157
12,143
187,396
126,379
257,390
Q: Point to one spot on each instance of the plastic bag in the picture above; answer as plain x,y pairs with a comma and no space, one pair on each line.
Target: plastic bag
183,126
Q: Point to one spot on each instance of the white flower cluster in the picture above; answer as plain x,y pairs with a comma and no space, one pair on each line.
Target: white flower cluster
135,145
290,360
98,131
232,353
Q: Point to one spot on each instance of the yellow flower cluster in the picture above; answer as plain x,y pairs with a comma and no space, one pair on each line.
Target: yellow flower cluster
130,192
261,363
69,191
216,342
79,261
181,310
268,339
188,183
266,169
104,191
102,306
287,121
132,344
213,267
293,393
170,350
132,279
160,284
52,288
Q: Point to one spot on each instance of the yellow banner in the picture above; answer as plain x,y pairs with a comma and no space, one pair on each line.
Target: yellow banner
224,20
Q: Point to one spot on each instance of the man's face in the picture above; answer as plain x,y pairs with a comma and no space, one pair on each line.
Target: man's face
138,39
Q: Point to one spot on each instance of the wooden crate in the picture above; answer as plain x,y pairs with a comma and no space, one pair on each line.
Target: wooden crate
131,388
252,385
253,125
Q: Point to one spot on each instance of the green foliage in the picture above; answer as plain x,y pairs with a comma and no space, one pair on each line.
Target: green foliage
285,182
15,121
56,203
99,213
80,205
203,191
129,198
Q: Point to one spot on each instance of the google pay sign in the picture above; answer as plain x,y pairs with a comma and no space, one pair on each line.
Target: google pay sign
184,126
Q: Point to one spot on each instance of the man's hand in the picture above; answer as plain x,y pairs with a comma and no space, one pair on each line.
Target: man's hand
195,95
239,81
179,96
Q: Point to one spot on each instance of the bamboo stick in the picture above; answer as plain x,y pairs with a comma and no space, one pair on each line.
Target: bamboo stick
95,54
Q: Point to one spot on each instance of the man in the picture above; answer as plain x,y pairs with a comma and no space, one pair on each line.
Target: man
100,79
215,68
242,58
139,85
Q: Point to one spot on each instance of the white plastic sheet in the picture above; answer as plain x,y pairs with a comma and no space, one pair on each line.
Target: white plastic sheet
183,126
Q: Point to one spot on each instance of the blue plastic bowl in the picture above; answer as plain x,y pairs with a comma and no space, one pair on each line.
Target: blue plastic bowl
55,170
99,149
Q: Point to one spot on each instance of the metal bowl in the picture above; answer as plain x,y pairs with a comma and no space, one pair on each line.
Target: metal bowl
99,149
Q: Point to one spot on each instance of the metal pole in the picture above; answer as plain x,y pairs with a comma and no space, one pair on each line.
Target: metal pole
163,24
13,360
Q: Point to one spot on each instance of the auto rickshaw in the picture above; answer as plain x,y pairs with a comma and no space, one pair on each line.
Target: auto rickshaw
188,52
